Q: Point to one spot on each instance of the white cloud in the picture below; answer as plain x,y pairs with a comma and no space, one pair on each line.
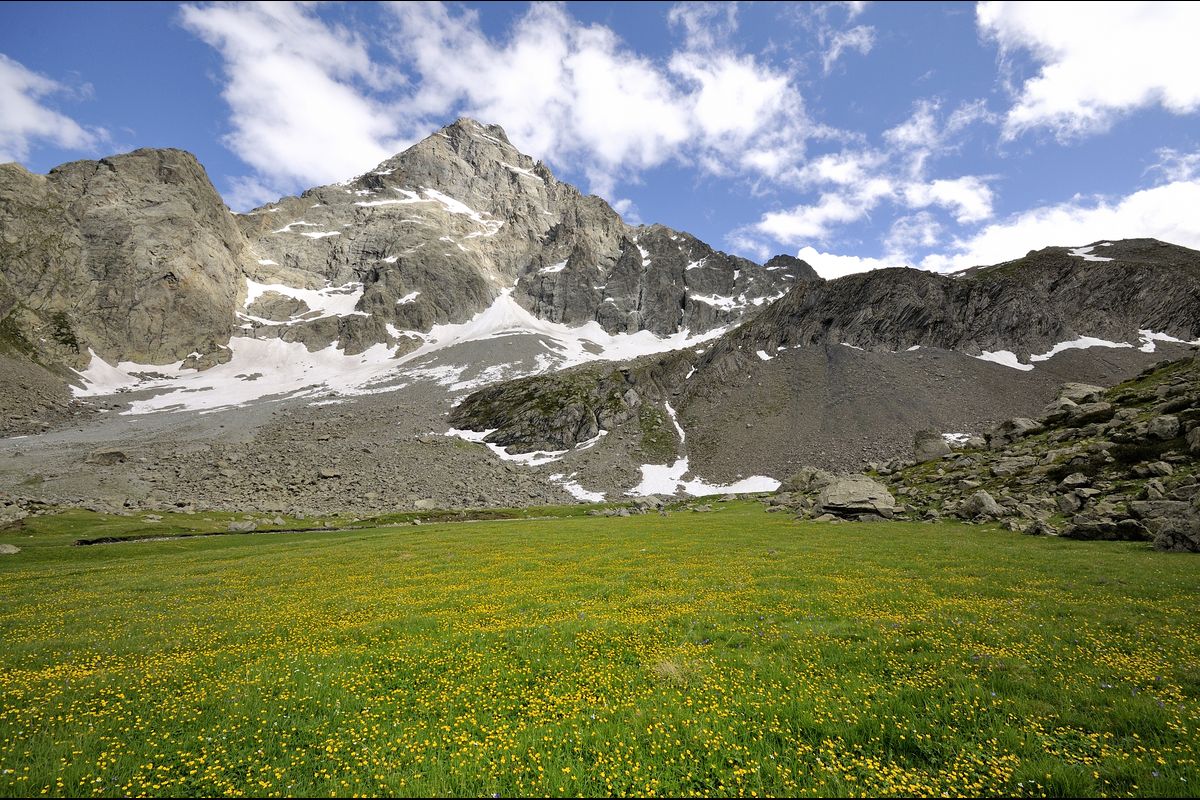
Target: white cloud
1166,212
968,197
576,95
1097,61
831,265
860,38
26,121
704,25
1175,165
300,92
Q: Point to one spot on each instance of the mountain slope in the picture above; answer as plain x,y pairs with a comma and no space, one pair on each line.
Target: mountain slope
842,372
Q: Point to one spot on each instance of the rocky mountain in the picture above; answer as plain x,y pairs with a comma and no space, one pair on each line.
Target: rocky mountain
456,327
840,372
437,233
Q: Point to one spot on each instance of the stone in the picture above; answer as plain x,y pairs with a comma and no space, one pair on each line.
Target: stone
329,473
1041,528
1076,480
1080,392
852,495
107,457
1164,426
1007,466
980,504
9,549
1193,440
425,504
929,445
242,526
1013,429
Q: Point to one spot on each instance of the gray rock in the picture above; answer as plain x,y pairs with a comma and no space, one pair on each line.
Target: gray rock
107,457
328,473
242,526
929,445
854,495
1080,393
9,549
980,504
1193,440
425,504
1164,426
1008,466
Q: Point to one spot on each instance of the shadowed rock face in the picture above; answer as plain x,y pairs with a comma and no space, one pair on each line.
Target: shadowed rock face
134,256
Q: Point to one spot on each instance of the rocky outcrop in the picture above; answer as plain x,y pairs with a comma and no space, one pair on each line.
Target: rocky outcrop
1128,473
133,256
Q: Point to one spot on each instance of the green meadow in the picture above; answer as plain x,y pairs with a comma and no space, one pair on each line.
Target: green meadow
728,653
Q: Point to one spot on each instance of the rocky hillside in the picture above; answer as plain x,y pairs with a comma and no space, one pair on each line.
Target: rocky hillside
1118,463
1051,316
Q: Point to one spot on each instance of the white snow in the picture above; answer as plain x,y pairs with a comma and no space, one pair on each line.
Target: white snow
534,459
953,439
331,301
717,301
645,256
261,368
913,348
572,346
320,234
1005,358
1149,337
528,173
266,262
695,264
691,372
559,267
763,355
390,259
1086,252
288,228
258,368
575,490
851,346
408,298
1082,343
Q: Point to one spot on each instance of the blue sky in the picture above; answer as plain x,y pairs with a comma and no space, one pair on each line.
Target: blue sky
856,135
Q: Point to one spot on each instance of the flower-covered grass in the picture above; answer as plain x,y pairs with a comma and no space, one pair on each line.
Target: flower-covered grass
731,653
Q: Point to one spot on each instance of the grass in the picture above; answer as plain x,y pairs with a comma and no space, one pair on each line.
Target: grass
736,652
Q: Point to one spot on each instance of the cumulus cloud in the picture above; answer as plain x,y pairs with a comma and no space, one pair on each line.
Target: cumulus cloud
1096,64
299,92
575,95
832,265
1165,212
25,119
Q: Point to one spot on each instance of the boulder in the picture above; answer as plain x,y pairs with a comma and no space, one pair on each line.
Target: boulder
808,479
855,495
1080,392
106,457
1164,426
1007,466
929,445
242,526
1193,440
9,549
980,504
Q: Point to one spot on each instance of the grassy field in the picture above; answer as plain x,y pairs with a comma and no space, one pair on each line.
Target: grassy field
735,652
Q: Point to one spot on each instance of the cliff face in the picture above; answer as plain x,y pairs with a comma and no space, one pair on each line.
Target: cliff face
134,256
